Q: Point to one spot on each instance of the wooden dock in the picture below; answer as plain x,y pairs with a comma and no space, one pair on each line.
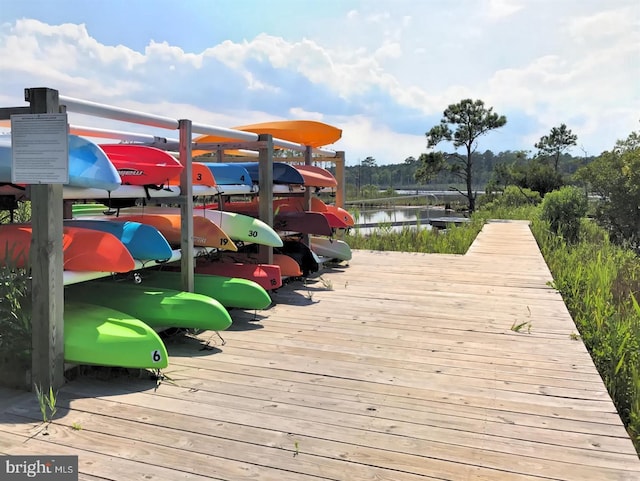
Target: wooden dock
399,367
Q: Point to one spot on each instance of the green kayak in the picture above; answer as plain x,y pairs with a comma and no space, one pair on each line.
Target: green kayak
229,291
155,306
106,337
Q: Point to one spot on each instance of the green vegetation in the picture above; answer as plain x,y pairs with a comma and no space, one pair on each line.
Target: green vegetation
15,326
563,209
15,315
600,284
414,239
47,403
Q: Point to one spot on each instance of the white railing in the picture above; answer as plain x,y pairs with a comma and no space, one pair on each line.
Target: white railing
95,109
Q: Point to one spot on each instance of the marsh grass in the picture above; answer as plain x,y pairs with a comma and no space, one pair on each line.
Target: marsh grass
455,240
15,327
600,284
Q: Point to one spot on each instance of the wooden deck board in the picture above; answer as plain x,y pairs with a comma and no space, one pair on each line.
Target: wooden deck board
401,366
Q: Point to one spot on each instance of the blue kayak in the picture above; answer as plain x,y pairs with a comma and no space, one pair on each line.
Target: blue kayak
143,242
89,166
283,173
229,174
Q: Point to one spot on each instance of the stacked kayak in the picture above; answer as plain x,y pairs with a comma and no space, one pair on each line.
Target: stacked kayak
157,307
106,337
268,276
228,291
140,165
83,249
89,166
239,227
143,242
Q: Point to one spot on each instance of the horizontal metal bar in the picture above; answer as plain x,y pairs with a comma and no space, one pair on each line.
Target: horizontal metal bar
117,134
7,112
197,128
117,113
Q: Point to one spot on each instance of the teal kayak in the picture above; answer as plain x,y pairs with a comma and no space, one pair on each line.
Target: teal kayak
105,337
155,306
229,291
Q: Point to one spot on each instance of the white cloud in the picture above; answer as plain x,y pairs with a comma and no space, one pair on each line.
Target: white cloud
575,65
363,137
499,9
302,114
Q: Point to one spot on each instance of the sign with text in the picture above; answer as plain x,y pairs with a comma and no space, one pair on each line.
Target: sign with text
51,468
39,149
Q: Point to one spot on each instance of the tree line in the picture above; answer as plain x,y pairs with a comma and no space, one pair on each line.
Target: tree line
614,176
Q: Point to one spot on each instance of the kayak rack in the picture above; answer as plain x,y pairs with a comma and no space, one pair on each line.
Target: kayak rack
48,278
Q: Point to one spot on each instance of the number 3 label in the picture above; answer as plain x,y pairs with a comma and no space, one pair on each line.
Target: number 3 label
156,356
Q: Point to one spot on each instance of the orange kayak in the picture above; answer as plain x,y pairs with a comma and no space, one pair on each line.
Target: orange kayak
205,232
200,175
315,176
83,249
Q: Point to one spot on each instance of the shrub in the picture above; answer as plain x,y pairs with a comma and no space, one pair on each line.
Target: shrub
563,209
517,197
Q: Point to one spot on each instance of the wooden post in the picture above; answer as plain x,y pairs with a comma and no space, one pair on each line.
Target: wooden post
265,196
47,325
186,207
340,177
308,158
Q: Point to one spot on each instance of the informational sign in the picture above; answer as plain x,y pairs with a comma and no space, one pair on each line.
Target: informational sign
40,149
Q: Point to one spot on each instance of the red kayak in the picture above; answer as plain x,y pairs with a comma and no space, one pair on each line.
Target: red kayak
268,276
142,165
290,220
83,249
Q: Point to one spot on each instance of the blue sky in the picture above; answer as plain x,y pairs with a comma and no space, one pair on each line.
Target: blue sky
381,70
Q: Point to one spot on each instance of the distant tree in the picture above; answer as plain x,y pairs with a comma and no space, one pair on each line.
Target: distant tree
554,144
369,163
537,176
429,165
615,177
470,119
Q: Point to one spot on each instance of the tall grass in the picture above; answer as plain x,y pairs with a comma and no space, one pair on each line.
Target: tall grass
455,240
15,326
600,284
15,313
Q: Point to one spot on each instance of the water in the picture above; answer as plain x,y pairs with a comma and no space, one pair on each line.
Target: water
395,219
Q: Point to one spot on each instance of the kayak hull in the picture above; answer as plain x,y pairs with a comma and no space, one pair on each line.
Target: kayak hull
155,306
100,336
83,249
267,276
143,242
332,248
142,165
230,292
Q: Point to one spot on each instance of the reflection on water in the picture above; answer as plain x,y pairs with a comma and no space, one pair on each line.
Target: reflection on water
394,219
399,214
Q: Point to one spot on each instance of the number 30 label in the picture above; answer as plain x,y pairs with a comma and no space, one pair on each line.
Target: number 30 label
156,356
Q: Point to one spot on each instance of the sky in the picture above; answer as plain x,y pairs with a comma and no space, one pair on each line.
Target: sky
383,71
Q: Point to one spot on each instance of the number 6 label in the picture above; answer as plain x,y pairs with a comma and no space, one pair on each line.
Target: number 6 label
156,356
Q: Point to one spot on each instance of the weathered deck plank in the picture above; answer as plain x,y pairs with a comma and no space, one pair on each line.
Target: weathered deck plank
401,366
